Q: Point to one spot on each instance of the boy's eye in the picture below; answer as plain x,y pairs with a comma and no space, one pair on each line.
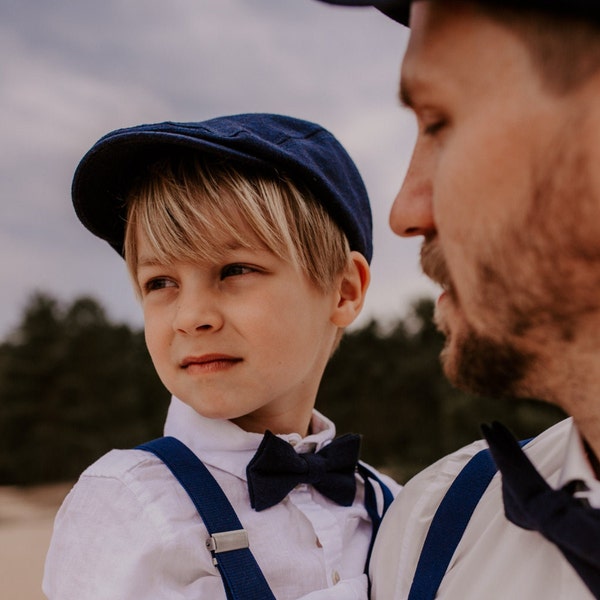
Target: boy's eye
235,270
157,283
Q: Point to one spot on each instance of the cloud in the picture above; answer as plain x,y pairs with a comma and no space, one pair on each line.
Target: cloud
73,70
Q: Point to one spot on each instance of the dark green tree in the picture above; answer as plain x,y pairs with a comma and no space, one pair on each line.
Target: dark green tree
72,385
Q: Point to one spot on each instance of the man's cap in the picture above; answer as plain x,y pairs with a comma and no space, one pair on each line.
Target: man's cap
305,152
399,10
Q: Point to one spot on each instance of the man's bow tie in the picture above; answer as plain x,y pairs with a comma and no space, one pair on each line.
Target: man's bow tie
531,503
277,468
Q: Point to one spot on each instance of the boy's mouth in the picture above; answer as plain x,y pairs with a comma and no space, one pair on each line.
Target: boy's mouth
209,361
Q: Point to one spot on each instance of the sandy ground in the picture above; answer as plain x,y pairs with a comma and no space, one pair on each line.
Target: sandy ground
26,517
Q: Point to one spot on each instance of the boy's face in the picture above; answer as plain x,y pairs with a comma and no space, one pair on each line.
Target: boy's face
245,338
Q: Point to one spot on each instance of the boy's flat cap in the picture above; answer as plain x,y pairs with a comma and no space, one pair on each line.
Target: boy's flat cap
399,10
306,152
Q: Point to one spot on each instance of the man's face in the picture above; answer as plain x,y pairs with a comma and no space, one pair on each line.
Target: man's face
500,188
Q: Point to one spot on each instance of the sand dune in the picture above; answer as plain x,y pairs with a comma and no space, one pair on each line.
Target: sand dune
26,517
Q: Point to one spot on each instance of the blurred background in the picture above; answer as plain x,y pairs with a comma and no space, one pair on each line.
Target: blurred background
75,378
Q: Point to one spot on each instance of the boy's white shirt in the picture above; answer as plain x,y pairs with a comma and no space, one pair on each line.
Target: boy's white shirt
128,530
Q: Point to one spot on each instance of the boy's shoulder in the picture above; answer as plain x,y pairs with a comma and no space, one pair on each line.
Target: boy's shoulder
136,479
122,464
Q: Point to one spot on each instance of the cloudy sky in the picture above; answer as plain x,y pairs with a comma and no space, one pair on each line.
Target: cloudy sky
72,70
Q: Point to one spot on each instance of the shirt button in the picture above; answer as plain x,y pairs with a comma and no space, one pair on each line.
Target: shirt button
335,577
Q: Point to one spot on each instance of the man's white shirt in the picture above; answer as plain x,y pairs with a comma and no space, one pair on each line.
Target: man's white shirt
495,560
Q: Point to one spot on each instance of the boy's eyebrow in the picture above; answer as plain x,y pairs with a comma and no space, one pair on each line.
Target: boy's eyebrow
147,261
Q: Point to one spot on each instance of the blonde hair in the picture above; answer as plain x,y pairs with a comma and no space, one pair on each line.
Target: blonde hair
187,205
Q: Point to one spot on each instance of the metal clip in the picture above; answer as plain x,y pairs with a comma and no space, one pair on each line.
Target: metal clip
228,540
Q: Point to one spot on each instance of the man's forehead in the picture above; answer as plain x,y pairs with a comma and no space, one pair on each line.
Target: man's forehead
428,36
446,39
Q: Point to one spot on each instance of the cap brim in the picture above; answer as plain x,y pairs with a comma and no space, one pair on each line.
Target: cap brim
398,10
105,175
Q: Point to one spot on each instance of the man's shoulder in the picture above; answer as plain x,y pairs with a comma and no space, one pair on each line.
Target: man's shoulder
407,521
546,448
422,495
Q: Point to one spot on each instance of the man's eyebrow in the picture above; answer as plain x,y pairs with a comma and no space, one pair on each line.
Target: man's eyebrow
404,94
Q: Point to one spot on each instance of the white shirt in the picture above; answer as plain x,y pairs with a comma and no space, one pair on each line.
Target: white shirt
495,560
129,531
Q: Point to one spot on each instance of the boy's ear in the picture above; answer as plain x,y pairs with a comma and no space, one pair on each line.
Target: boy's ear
351,290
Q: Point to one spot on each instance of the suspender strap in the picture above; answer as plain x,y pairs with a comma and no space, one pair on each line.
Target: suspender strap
369,477
228,544
449,523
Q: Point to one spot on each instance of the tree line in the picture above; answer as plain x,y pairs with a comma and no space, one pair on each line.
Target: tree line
74,384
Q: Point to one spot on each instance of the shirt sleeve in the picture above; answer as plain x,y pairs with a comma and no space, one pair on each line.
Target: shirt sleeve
104,545
110,544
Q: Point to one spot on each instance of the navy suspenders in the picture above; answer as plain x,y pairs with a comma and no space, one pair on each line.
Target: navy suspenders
449,523
228,541
375,515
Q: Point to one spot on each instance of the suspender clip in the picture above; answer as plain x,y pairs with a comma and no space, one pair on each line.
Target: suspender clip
227,541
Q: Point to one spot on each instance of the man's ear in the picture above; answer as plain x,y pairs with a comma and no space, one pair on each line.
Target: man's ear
351,290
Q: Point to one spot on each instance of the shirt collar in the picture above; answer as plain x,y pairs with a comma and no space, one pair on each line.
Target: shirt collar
222,444
576,467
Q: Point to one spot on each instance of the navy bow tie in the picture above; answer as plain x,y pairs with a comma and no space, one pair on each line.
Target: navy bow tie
277,468
531,503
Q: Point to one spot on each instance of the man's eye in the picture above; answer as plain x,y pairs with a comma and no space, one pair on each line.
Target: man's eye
434,127
235,270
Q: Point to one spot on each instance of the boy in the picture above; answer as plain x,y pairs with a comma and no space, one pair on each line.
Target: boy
248,240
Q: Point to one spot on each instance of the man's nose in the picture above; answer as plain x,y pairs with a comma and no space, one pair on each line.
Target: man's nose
412,211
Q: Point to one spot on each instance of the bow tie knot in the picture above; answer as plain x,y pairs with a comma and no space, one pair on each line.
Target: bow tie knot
316,468
277,468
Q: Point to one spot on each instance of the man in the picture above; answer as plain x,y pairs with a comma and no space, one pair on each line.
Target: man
504,188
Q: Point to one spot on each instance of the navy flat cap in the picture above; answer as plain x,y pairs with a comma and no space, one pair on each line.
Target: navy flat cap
307,153
399,10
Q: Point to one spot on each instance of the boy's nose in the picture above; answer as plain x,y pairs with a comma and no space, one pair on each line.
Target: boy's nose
412,211
197,314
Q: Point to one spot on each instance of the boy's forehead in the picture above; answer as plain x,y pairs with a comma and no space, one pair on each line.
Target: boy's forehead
215,238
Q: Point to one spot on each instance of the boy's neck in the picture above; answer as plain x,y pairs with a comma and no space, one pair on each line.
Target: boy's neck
284,424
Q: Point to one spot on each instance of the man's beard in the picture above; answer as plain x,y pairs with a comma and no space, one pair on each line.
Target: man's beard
474,362
486,367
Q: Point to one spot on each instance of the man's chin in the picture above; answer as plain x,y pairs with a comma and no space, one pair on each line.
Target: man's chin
485,367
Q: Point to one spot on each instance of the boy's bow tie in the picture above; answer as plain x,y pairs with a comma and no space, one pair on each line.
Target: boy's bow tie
277,468
531,503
